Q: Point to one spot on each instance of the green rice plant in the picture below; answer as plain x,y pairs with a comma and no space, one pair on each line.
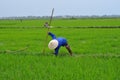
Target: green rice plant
62,23
28,67
82,41
95,53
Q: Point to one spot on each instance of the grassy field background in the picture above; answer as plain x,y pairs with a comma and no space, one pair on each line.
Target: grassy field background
96,50
64,23
29,67
82,41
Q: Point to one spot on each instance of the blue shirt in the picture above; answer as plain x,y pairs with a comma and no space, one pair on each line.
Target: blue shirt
61,42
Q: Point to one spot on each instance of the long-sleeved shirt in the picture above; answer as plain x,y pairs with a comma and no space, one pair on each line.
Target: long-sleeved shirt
61,42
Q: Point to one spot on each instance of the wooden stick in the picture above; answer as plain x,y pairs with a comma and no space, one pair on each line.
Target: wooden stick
48,31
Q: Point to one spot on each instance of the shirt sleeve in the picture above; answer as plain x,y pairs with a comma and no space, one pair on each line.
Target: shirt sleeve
52,35
56,50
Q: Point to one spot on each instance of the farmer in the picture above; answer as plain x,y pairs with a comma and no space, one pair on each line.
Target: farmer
56,43
46,25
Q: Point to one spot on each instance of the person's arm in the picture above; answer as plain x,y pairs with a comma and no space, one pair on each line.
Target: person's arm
56,51
52,35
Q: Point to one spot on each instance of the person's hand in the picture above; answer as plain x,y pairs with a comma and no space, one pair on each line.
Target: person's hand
49,33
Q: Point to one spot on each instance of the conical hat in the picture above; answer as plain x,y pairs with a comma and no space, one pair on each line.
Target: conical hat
53,44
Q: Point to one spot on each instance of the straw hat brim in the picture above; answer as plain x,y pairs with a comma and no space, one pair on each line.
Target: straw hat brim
53,44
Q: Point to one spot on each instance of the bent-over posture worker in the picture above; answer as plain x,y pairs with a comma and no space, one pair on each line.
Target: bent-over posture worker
56,43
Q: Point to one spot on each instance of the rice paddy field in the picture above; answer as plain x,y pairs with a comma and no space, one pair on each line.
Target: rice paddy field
95,44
